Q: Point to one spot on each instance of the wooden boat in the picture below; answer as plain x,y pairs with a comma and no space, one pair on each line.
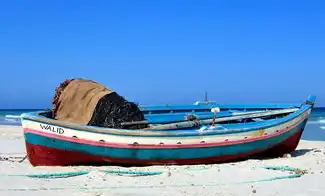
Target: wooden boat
204,132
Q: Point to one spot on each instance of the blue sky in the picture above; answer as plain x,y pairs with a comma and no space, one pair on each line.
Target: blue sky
164,51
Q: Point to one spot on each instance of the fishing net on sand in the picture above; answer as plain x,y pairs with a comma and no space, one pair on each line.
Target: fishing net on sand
87,102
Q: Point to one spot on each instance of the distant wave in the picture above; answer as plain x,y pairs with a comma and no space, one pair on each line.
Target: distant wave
321,121
12,116
10,120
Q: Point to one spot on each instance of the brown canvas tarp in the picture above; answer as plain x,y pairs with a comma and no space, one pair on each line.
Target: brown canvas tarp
87,102
78,100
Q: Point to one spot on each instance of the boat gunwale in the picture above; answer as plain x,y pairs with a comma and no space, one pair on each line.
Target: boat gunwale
36,117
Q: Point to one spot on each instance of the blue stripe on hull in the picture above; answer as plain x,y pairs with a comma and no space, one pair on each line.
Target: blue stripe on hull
159,154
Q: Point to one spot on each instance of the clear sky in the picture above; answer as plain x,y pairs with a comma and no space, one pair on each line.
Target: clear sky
164,51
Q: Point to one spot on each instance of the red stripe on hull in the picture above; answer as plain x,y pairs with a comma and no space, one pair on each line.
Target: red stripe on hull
45,156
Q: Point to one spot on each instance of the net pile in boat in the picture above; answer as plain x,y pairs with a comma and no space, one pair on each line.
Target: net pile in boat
87,102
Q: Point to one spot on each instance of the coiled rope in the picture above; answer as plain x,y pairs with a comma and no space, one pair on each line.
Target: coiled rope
296,173
78,173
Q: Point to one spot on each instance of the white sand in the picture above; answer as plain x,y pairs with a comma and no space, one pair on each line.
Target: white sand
176,180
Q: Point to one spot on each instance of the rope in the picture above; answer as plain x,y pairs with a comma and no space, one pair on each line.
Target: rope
23,159
9,158
137,173
78,173
50,175
298,173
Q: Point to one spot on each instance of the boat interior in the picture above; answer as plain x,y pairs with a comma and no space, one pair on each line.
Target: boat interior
164,115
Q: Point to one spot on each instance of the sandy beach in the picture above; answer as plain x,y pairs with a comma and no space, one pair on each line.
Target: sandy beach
238,178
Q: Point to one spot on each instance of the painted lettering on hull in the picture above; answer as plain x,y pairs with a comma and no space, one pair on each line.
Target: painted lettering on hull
52,129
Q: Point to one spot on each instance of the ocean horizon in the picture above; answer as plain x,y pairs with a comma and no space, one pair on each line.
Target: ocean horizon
315,128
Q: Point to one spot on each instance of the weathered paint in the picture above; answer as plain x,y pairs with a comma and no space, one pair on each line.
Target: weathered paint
259,132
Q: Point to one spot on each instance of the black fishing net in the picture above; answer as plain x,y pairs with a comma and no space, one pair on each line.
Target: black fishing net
112,110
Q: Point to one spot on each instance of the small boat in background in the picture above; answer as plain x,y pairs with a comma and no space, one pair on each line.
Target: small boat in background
201,133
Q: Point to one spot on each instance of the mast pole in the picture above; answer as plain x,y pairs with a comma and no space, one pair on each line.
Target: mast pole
206,97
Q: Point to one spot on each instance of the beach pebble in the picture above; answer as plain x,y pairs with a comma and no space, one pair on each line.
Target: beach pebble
287,155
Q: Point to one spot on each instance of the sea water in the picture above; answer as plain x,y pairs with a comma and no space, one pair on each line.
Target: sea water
315,128
12,117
